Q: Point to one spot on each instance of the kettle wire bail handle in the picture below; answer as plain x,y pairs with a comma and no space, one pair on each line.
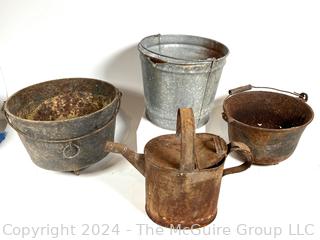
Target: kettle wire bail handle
302,95
240,89
186,132
245,150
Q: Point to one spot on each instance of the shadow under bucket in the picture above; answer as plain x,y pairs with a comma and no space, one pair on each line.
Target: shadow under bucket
270,123
180,71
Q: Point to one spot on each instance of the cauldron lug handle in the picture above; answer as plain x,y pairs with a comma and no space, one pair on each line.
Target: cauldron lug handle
227,118
69,146
245,150
136,159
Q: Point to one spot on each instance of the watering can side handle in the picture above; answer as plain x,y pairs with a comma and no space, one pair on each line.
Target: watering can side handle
136,159
245,150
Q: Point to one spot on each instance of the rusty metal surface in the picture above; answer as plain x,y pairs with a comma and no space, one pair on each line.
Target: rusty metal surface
183,173
67,106
59,136
3,121
269,123
180,71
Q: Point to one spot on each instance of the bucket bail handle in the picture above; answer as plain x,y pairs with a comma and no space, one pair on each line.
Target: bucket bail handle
186,132
248,87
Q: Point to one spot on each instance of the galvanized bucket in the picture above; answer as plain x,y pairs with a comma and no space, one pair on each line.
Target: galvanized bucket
180,71
270,123
58,130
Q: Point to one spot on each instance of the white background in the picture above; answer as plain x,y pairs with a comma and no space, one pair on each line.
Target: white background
272,43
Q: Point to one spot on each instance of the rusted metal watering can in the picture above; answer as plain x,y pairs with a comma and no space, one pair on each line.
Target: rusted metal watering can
183,173
270,123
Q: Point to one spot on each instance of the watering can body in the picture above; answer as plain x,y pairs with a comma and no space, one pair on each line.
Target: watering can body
183,173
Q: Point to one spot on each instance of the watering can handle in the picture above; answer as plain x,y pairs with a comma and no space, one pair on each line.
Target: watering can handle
186,132
248,87
245,150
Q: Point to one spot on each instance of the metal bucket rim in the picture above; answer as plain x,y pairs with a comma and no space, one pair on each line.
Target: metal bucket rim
233,120
147,52
7,112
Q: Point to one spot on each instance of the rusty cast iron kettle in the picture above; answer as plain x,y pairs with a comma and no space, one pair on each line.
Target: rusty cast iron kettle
183,173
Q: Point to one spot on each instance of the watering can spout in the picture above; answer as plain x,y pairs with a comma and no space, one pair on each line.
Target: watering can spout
136,159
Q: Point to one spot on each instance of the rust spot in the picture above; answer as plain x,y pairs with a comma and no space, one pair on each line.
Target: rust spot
156,60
